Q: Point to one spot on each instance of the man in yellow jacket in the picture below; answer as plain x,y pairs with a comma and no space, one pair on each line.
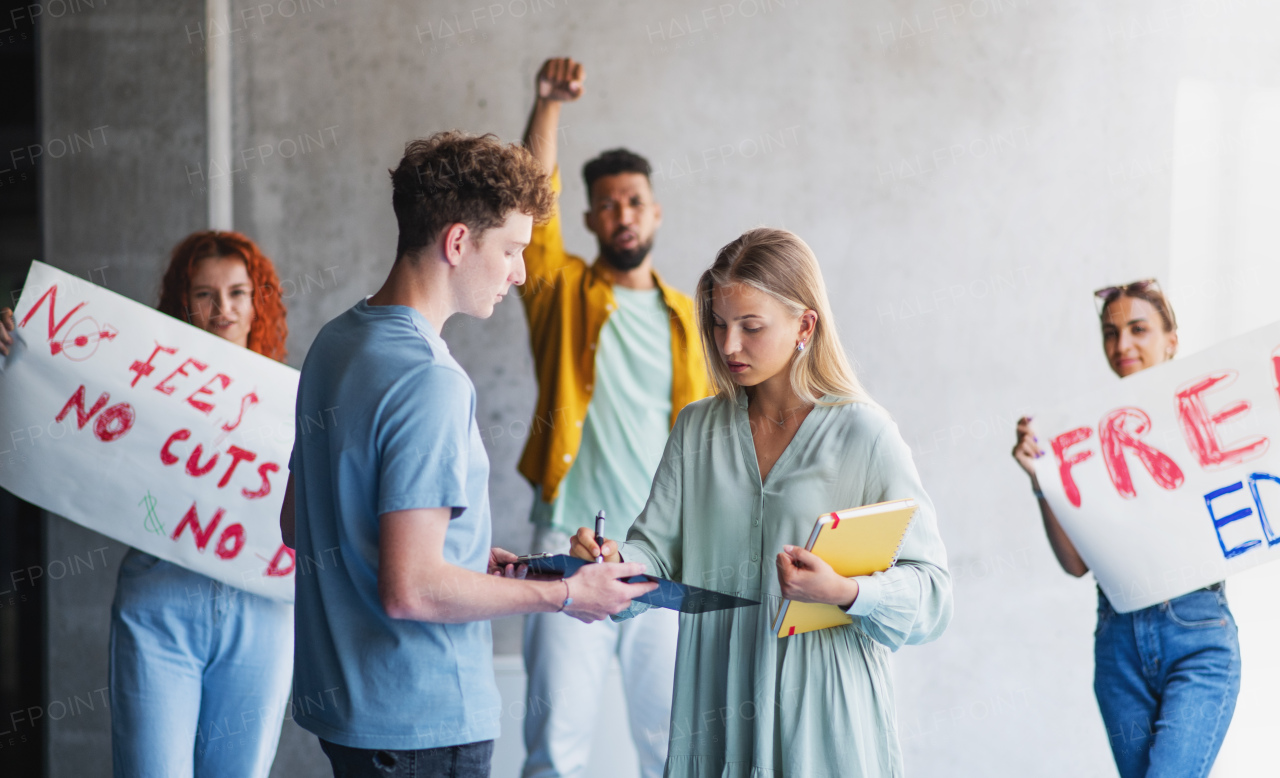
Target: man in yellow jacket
617,356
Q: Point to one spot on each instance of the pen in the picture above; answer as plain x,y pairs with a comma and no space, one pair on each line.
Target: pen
600,535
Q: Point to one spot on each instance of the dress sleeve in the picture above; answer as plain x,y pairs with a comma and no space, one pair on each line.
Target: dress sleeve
911,602
657,536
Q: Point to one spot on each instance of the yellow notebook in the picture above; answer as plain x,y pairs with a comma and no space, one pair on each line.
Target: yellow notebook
857,541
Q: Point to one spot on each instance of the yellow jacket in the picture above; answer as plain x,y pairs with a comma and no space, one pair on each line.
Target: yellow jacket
567,302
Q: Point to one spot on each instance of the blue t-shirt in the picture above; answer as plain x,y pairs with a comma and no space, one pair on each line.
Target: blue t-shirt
386,422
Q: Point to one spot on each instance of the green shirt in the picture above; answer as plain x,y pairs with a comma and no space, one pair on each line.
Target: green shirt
747,703
627,421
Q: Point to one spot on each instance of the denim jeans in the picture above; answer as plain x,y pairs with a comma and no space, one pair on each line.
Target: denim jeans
466,761
1166,678
199,674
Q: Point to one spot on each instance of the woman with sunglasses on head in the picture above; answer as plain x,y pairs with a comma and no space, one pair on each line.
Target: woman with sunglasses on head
1165,677
199,671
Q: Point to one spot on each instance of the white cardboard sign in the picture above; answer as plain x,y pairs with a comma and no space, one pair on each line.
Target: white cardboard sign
148,430
1170,479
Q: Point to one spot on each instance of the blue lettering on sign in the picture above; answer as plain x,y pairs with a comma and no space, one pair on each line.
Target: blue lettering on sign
1219,523
1272,539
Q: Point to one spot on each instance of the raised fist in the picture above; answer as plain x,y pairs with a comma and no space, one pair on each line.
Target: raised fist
560,78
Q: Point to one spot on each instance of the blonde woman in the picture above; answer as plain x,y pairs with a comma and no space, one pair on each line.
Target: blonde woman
789,435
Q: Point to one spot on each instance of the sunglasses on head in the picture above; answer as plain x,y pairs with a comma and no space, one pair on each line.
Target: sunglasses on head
1109,294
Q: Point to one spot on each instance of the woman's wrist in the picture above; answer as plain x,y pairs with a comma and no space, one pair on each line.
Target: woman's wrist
1035,488
850,595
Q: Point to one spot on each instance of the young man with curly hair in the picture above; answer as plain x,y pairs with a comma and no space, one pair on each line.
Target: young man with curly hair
395,578
617,356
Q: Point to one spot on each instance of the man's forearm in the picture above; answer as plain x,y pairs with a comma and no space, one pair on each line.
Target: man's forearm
453,595
541,133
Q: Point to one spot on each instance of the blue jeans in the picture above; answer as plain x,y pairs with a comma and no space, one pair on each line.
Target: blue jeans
1166,678
199,674
465,761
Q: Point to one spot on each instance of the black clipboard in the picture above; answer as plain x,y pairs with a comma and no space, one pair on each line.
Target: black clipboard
669,594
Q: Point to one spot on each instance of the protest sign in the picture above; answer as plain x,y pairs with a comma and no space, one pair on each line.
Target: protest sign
1168,480
148,430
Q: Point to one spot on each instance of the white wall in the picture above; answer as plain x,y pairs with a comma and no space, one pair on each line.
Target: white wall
967,172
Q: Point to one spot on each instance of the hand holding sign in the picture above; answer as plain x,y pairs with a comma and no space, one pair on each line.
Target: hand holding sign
148,430
6,331
1027,450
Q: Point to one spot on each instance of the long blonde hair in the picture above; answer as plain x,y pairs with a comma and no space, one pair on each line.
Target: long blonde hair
781,265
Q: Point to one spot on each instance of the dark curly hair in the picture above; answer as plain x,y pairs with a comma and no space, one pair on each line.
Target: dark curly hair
269,330
453,177
613,162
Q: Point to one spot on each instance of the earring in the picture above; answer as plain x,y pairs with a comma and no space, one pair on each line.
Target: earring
800,346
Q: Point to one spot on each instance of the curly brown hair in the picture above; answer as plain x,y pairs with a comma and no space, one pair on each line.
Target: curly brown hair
269,331
453,177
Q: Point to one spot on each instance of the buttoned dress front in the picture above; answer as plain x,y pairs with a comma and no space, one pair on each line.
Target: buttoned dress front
748,703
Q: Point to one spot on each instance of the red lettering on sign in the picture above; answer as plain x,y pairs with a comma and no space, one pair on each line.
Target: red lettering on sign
274,569
263,469
249,399
142,369
1199,427
167,456
233,534
164,388
52,297
114,422
77,402
237,455
1060,445
193,462
201,405
1275,368
1120,430
202,534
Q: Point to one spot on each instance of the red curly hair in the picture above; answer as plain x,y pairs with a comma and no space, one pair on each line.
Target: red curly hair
269,330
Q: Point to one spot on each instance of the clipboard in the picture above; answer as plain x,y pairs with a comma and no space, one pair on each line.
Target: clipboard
669,594
857,541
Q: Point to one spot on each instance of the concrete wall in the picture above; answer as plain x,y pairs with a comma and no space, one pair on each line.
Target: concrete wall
966,172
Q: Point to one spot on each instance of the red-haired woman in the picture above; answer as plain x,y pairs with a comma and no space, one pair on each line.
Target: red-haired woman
200,670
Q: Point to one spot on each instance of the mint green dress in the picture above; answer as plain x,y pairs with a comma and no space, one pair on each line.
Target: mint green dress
746,702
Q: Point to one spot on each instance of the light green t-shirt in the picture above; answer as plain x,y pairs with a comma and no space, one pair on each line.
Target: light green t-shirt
627,421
